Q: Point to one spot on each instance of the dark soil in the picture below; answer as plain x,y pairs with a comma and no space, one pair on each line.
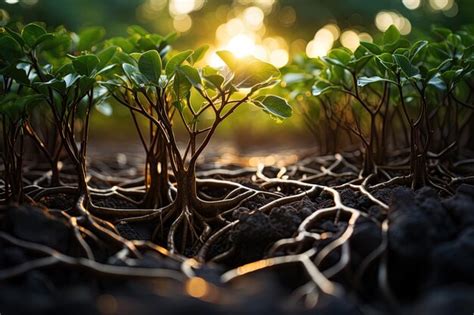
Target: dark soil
430,259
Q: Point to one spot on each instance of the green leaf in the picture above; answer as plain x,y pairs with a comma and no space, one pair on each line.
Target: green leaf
86,84
136,30
401,43
171,37
10,50
105,69
340,55
181,85
215,80
19,75
70,79
391,35
229,58
275,106
150,65
146,43
55,84
437,82
175,61
123,43
89,37
251,72
441,31
16,36
321,87
417,48
374,49
129,70
363,81
46,38
406,66
31,33
199,53
86,64
134,74
106,55
191,74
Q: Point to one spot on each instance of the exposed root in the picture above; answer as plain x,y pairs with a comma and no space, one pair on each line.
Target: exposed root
191,226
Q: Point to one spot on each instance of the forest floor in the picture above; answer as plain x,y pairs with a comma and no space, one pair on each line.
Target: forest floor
312,237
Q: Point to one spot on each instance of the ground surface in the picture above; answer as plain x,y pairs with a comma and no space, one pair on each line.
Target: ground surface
311,237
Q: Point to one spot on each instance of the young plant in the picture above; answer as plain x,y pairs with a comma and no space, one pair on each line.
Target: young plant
399,90
199,100
15,106
157,186
67,84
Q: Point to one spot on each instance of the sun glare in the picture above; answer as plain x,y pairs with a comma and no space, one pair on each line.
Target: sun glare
244,34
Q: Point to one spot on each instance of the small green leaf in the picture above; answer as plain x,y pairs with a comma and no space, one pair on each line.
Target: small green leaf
191,74
417,48
150,65
146,43
55,84
340,55
371,47
199,53
437,82
89,37
106,55
391,35
401,43
10,50
363,81
321,87
175,61
275,106
229,59
251,72
215,80
105,69
136,30
134,74
86,64
181,85
31,33
86,84
406,66
19,75
441,31
16,36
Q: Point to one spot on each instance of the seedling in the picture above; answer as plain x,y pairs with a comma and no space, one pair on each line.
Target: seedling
407,92
199,99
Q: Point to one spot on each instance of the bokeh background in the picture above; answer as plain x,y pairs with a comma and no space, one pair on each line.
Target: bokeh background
272,30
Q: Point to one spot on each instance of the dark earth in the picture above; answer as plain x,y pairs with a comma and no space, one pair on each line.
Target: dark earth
429,260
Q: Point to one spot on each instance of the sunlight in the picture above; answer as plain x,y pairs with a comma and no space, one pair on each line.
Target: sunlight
384,19
241,45
412,4
253,17
443,5
180,7
350,39
244,35
182,23
322,42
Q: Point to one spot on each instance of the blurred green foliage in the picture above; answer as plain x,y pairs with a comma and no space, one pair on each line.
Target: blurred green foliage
309,16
